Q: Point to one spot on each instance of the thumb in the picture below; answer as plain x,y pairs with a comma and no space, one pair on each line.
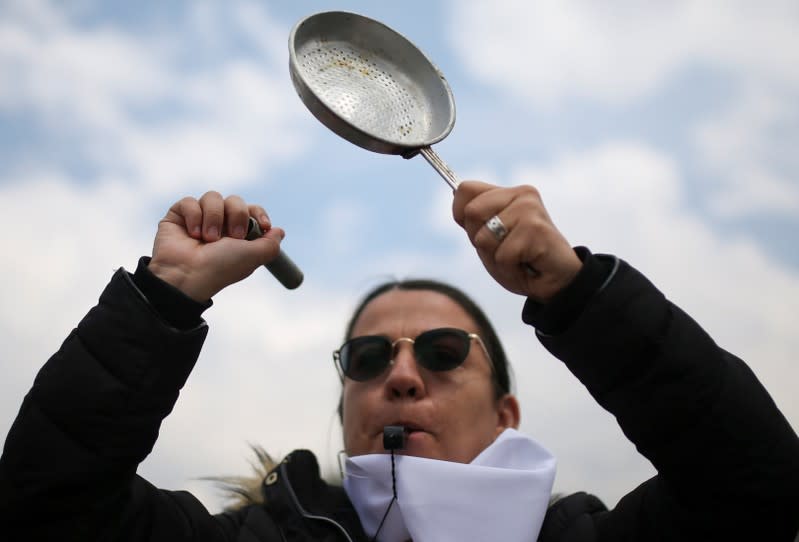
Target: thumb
264,249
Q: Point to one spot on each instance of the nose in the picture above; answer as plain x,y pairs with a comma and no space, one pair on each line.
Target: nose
404,380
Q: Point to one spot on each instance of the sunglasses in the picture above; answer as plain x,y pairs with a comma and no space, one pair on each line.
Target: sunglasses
443,349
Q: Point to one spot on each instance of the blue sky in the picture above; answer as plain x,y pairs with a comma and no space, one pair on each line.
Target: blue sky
663,134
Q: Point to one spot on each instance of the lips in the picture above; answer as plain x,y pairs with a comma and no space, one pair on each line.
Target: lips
410,427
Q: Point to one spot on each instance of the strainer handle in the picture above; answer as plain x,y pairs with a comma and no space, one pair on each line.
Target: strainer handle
440,166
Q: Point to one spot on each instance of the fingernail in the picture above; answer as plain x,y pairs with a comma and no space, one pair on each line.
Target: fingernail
195,231
213,232
238,232
264,220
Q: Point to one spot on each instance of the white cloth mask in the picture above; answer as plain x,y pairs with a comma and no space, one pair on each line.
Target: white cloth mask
502,495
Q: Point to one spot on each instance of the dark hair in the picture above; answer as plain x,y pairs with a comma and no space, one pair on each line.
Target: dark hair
500,375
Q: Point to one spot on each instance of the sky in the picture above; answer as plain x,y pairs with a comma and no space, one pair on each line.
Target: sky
662,133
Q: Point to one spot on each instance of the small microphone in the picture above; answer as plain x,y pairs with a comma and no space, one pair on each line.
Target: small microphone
394,437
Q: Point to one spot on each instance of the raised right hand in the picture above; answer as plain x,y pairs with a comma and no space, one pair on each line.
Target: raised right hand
531,239
200,247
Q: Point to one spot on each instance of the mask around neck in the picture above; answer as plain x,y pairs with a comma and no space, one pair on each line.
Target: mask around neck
503,494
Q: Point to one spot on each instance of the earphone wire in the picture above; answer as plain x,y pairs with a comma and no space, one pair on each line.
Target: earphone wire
393,498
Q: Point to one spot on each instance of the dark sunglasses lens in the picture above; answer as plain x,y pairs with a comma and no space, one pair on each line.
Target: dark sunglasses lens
363,358
442,349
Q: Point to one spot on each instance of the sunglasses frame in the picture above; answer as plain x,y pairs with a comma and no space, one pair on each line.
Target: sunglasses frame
470,336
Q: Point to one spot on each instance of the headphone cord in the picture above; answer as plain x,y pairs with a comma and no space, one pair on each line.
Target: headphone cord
393,499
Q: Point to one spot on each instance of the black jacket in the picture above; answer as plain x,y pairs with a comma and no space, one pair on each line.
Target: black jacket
727,460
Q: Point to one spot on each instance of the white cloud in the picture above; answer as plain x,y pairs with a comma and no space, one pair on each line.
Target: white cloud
617,54
254,22
84,78
220,123
617,51
751,147
60,235
344,223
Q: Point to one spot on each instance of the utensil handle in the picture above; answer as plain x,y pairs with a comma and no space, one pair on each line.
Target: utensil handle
440,166
282,267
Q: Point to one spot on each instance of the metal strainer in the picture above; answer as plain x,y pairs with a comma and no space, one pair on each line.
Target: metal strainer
371,86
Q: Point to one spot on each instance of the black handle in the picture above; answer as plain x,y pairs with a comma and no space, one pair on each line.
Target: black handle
282,267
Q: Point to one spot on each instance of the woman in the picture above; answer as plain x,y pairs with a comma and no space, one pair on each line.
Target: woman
726,458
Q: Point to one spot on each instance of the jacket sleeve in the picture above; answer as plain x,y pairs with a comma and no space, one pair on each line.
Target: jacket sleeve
727,459
68,470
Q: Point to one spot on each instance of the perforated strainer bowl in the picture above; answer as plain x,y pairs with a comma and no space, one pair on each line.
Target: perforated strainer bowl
371,86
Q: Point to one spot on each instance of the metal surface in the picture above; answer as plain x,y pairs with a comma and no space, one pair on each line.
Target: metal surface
497,228
369,84
438,164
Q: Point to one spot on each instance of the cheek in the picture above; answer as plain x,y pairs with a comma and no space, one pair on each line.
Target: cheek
473,415
351,403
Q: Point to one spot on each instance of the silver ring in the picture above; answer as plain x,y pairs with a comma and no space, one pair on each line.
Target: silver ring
496,227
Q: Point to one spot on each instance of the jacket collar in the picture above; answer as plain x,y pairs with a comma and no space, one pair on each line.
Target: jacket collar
295,489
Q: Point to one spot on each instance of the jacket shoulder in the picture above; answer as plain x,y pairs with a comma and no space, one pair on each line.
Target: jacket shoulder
570,519
296,504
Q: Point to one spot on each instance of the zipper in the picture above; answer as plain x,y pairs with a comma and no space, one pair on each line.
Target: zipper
302,510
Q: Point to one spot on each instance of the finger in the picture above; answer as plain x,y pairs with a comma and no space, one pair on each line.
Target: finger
485,239
258,212
465,193
519,247
236,216
491,203
511,205
488,204
266,248
213,210
186,213
540,268
533,239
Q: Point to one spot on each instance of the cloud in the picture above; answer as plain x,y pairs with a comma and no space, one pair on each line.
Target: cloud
550,56
78,76
613,52
751,147
146,108
343,224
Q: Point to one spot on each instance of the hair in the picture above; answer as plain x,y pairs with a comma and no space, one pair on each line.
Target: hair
501,374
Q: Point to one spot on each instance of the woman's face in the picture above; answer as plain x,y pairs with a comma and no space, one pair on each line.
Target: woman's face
452,415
